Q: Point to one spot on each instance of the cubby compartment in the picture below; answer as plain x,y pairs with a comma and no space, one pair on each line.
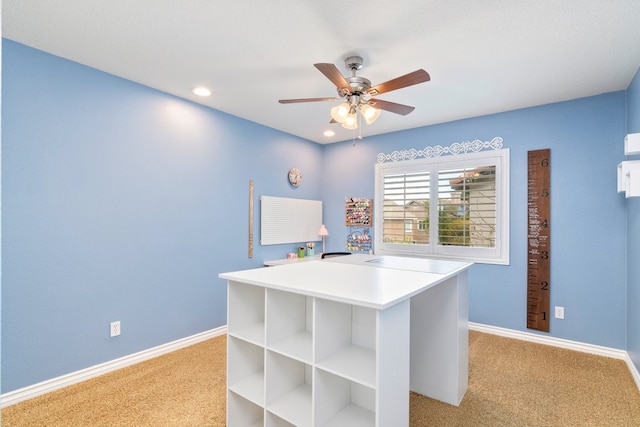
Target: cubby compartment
288,389
245,376
276,421
242,413
345,341
340,402
246,319
289,324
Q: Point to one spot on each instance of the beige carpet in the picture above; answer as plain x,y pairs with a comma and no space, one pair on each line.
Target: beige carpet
511,383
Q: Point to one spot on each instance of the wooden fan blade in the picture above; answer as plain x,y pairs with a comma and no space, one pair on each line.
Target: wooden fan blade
293,101
418,76
332,73
391,106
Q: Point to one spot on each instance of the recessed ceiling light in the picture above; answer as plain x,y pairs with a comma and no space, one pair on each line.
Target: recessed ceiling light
329,133
201,91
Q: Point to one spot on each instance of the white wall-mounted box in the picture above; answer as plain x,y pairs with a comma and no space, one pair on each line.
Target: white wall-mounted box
629,178
632,144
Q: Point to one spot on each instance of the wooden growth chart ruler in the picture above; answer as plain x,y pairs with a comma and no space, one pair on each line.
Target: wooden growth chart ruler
539,239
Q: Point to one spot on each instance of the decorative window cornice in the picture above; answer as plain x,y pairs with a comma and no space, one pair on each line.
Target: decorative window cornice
438,150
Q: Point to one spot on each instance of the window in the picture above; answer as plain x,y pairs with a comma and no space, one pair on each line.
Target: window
408,226
454,207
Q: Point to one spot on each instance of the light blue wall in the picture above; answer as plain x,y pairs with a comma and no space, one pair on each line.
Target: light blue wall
588,267
122,203
633,235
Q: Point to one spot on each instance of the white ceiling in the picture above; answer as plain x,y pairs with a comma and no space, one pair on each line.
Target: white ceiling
483,56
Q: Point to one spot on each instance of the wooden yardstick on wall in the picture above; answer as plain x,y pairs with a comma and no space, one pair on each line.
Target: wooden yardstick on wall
250,218
539,239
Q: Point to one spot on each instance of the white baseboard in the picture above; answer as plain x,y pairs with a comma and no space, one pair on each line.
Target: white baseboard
634,371
29,392
562,343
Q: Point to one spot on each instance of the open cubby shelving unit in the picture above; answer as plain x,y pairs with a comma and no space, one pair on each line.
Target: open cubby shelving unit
278,360
342,341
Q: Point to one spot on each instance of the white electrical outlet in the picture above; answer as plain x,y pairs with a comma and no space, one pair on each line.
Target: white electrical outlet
115,329
559,312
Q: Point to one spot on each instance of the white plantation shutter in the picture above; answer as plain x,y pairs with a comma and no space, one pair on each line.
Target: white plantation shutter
405,207
453,207
467,207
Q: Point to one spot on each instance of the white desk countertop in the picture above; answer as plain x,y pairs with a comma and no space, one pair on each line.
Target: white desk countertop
367,280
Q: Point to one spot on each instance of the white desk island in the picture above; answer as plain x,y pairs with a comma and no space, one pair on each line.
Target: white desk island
341,341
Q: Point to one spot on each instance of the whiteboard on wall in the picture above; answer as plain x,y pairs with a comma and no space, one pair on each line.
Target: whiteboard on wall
285,220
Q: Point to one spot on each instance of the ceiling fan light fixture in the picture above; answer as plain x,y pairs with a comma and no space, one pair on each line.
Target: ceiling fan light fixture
369,113
350,122
340,112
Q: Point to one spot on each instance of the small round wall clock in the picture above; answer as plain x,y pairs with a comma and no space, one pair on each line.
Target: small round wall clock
295,177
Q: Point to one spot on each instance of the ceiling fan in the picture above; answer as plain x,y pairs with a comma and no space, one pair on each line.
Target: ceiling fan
358,94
